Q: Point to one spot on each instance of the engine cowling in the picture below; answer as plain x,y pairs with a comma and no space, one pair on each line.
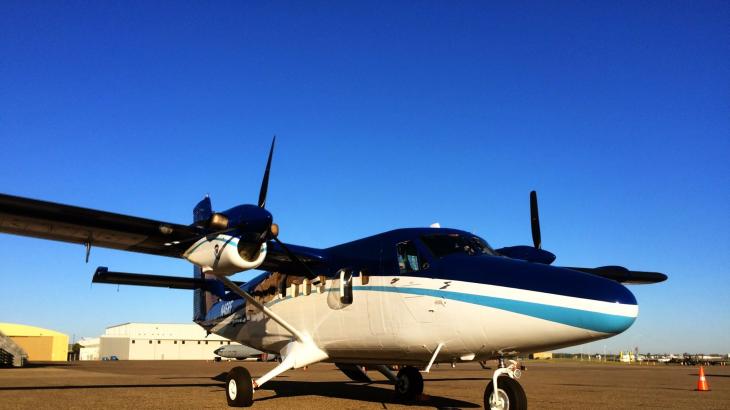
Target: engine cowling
224,255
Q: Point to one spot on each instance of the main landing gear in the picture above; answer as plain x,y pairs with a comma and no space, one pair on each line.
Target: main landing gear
239,388
408,383
504,391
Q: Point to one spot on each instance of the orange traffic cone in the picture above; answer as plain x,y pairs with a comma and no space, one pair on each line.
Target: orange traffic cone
702,382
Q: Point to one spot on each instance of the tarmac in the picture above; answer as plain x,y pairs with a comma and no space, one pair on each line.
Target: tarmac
198,384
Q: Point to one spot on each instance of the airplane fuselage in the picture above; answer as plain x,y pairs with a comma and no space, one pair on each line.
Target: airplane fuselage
478,306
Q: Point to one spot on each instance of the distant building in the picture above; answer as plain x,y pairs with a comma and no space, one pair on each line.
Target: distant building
158,341
626,357
89,348
41,345
541,355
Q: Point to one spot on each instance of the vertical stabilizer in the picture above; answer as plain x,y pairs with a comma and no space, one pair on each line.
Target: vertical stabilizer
202,211
203,299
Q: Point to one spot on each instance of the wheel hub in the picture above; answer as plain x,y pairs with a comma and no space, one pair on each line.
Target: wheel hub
232,389
402,385
502,402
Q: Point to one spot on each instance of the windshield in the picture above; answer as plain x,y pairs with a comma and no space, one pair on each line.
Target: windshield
445,244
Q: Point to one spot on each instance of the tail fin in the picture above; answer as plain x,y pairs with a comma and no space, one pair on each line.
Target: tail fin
203,299
202,211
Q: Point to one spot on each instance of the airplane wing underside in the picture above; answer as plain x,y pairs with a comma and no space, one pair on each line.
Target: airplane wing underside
48,220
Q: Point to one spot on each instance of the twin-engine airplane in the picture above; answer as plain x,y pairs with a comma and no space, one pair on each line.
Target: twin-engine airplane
412,297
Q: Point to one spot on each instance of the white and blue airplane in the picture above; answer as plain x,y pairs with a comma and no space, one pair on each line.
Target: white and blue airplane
411,297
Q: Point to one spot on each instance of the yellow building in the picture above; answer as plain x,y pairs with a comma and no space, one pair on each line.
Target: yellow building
542,355
42,345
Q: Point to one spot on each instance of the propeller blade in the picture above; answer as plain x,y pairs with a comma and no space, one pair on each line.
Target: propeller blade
265,181
535,221
292,257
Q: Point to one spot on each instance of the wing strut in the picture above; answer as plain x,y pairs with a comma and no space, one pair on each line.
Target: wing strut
268,312
298,353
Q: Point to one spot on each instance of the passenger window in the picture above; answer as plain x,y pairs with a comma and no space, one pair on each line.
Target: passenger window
408,258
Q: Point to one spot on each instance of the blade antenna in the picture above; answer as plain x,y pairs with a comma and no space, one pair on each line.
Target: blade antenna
265,181
535,221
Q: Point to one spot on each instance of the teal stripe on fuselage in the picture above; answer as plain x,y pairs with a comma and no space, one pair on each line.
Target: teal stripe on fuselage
585,319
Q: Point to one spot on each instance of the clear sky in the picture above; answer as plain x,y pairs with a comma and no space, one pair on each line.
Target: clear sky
387,115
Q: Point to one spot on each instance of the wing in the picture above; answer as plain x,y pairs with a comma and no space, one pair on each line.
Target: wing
623,275
48,220
277,260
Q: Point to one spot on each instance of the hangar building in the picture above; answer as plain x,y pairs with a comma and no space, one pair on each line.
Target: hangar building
89,348
158,341
41,345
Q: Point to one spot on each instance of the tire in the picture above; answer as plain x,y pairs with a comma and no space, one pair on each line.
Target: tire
239,388
511,393
408,383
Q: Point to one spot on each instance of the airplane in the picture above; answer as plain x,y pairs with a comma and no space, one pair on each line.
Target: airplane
240,352
409,297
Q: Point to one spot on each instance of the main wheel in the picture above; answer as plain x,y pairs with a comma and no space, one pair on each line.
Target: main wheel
408,383
239,388
509,392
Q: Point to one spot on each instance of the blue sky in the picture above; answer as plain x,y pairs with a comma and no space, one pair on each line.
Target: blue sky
387,115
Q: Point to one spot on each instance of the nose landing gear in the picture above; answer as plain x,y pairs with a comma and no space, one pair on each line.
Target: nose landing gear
504,391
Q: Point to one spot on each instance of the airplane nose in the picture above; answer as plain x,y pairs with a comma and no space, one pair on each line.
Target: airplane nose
619,317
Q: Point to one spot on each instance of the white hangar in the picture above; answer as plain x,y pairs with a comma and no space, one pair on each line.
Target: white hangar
159,341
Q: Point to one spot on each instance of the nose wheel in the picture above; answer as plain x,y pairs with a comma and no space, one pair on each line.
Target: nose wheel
504,392
239,388
510,395
408,383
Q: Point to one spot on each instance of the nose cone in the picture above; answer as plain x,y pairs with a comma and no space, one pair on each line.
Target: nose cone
607,307
566,296
619,317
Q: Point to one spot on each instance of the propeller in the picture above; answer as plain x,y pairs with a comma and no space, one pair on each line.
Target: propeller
528,253
273,232
535,221
265,181
251,216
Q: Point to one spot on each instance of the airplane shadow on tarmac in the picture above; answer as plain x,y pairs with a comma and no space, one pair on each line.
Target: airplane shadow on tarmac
107,386
354,391
350,390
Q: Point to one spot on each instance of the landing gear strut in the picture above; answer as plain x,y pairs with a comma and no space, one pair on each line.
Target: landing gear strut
239,388
504,391
408,383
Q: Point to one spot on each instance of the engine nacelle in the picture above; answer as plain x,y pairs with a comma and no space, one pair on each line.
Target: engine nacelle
224,255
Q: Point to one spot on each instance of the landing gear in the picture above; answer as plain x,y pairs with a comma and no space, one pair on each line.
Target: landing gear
239,388
507,394
510,395
408,383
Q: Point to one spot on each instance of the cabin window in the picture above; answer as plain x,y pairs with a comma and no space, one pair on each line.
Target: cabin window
408,258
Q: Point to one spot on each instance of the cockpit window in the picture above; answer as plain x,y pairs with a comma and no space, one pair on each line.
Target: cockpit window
408,258
446,244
